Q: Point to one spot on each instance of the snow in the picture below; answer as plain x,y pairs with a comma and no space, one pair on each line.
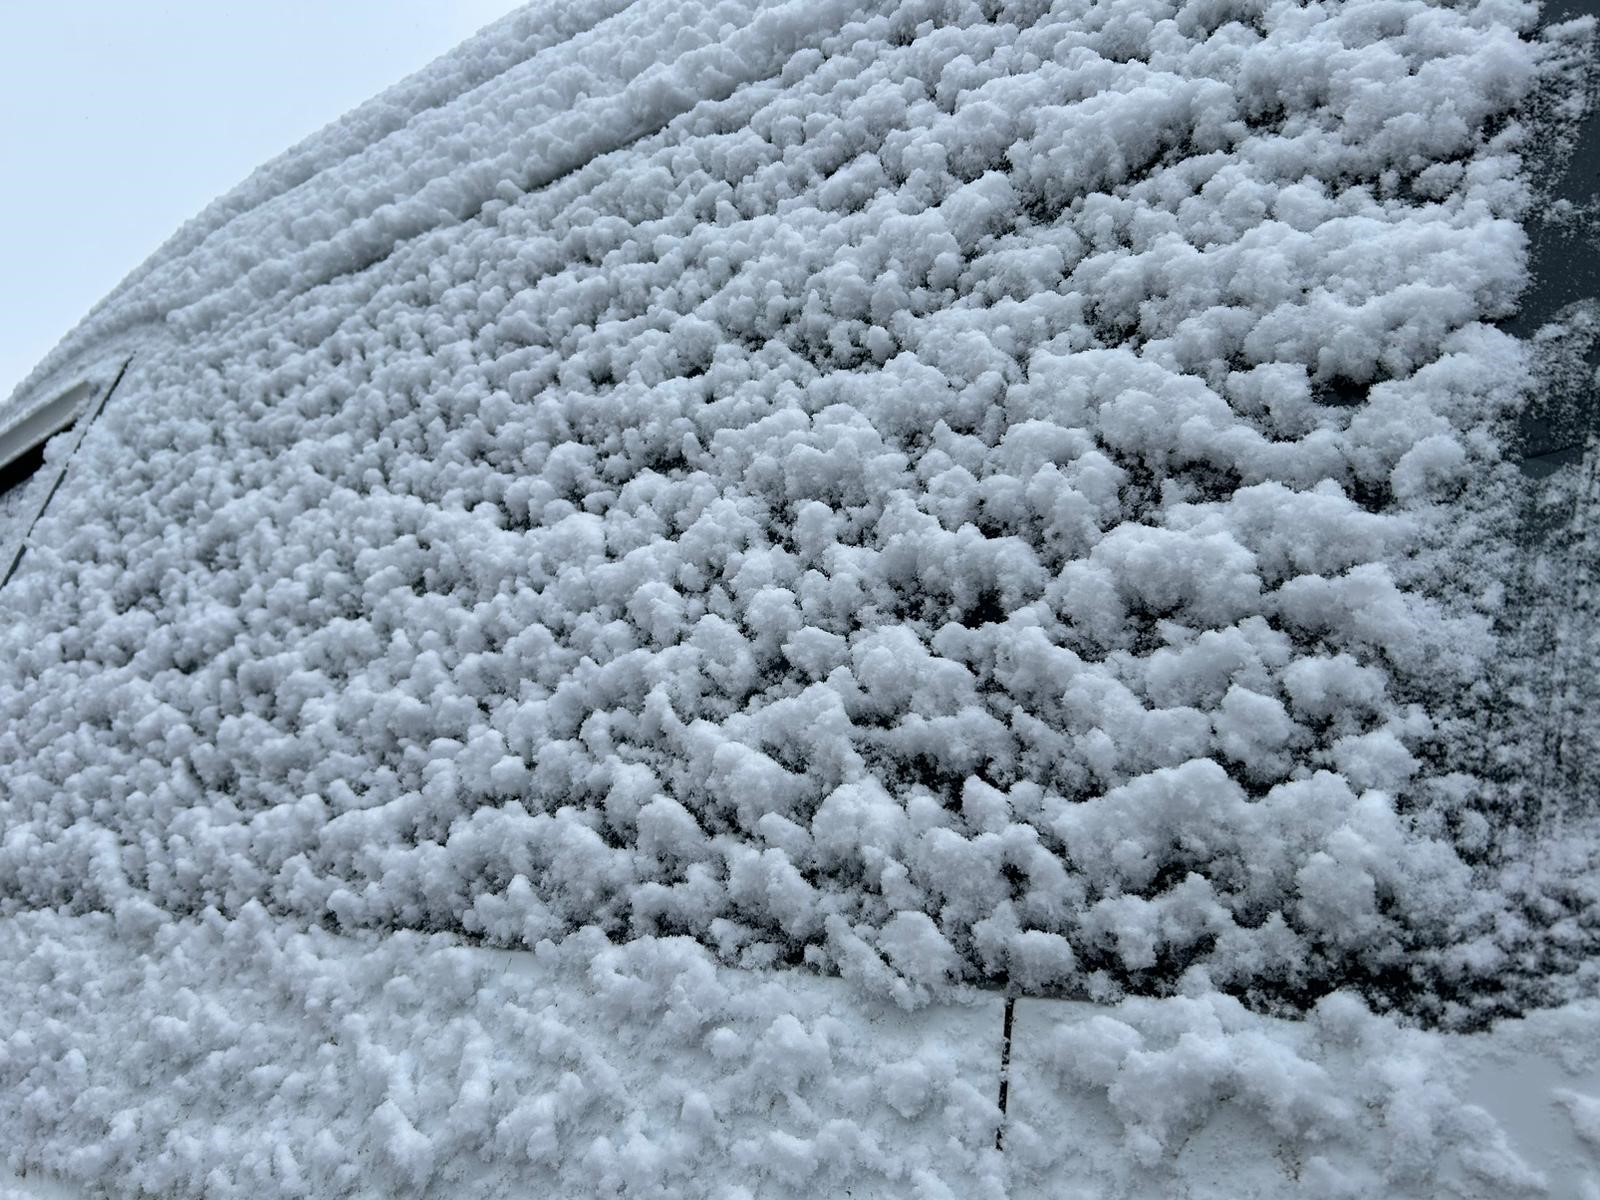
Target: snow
242,1057
11,506
801,516
1197,1093
411,1065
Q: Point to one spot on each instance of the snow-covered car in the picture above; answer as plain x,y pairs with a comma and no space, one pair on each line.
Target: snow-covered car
817,598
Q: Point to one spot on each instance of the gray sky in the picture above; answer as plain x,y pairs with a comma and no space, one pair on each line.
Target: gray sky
120,119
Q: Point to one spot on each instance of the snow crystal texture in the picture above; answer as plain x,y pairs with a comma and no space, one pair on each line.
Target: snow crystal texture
932,491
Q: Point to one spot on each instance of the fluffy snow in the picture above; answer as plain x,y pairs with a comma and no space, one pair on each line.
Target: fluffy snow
414,1066
249,1059
939,494
10,509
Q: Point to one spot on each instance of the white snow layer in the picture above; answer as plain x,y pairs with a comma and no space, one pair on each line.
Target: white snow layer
938,493
253,1060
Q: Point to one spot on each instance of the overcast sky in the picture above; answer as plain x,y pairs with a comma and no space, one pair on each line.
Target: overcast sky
120,119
